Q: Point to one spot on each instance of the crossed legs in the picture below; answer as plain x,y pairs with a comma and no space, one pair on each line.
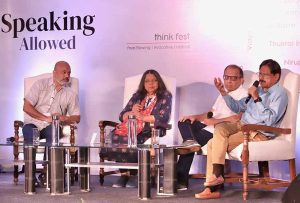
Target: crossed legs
226,137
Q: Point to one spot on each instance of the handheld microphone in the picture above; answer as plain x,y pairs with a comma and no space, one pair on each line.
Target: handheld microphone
209,114
255,84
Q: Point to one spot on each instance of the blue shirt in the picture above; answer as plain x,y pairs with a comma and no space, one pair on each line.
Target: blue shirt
267,112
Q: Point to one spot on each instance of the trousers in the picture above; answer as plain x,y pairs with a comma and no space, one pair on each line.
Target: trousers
227,136
190,131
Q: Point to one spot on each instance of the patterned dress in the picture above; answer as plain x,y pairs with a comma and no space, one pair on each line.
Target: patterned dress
161,112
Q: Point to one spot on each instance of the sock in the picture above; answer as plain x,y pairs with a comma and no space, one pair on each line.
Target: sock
218,170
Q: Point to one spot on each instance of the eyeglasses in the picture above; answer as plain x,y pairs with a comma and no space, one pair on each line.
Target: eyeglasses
232,78
264,75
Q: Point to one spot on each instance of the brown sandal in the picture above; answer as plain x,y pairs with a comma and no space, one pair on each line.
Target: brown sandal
207,194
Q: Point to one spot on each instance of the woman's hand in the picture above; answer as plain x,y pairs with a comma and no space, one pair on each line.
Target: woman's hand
137,108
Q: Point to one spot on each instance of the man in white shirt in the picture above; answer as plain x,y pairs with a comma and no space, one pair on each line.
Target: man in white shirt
197,130
48,97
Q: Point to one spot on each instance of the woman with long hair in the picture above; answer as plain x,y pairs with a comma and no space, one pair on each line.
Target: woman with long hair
151,103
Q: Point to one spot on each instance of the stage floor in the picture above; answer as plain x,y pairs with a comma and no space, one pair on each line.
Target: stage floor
11,193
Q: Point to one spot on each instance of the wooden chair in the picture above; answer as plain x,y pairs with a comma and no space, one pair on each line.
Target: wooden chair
68,130
282,148
131,84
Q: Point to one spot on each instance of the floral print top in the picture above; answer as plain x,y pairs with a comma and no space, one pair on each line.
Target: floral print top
161,110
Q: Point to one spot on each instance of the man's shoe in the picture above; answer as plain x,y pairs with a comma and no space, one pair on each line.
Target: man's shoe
181,187
207,194
132,182
213,181
121,182
188,146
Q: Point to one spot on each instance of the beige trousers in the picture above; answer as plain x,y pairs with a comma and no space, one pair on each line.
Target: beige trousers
227,136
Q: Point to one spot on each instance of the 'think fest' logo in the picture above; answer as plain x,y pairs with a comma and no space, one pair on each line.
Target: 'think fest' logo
16,26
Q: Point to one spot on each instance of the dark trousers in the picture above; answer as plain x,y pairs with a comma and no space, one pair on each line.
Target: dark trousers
195,132
45,133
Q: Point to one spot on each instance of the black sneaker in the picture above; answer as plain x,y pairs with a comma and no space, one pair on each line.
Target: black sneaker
121,182
188,146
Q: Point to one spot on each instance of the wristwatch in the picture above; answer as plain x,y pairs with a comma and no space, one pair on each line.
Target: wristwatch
257,100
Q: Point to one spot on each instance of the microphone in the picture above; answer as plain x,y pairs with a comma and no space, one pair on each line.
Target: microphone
255,84
209,114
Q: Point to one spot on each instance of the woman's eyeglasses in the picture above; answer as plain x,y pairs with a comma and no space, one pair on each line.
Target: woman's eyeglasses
150,81
232,78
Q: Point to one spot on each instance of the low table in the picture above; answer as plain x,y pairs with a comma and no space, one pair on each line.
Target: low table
57,163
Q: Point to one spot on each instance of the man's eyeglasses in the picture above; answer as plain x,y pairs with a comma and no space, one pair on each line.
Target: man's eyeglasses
232,78
263,75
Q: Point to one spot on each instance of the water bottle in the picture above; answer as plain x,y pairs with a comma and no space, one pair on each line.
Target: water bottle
132,139
55,130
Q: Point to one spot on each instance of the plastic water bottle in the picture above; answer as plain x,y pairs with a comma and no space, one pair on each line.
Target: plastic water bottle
55,130
132,139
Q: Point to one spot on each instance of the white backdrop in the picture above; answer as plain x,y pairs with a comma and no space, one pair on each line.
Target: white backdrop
191,40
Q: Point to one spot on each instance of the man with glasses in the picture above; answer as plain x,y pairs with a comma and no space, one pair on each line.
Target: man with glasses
267,106
196,130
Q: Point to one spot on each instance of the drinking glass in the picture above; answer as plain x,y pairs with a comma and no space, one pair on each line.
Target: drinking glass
155,137
108,136
35,136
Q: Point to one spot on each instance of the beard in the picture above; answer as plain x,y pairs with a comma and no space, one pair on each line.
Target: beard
64,82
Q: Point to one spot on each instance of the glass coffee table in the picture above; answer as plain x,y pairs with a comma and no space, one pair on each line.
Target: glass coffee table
58,159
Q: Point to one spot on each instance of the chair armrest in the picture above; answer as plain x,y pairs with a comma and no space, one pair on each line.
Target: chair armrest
102,125
249,127
162,127
18,123
252,127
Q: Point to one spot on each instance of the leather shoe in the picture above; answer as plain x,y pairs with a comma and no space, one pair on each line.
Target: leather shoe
207,194
213,181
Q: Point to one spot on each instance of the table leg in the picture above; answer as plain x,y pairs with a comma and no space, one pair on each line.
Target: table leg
144,174
57,172
84,157
170,176
29,157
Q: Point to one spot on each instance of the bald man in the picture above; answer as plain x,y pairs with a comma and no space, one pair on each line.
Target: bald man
47,97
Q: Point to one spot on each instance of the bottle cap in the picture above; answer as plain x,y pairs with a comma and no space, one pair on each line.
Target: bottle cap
131,116
55,117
